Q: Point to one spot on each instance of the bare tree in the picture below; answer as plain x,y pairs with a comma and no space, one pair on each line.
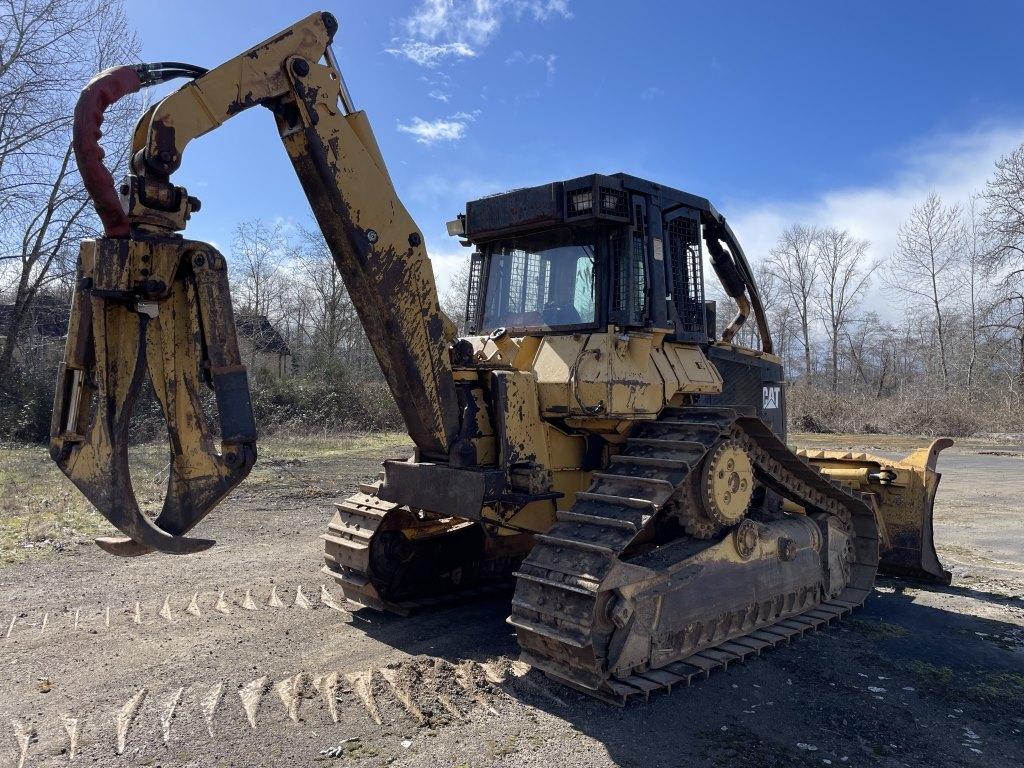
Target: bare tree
845,275
453,300
258,252
973,277
44,46
794,263
1003,198
871,346
1003,218
922,269
1007,319
332,318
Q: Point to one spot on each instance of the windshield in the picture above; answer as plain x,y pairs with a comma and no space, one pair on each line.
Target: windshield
540,285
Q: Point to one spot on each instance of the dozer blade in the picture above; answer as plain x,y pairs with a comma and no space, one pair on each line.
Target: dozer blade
904,495
180,329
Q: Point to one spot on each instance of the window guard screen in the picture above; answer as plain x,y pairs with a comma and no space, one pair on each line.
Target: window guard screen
687,273
629,276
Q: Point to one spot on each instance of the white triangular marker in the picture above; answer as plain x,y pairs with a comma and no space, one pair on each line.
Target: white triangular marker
328,599
71,726
251,695
247,602
290,691
274,601
222,604
193,606
301,601
286,690
209,704
165,611
362,685
168,714
125,718
23,734
328,687
403,694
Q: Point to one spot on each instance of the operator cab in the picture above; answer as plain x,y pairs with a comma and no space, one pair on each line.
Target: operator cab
617,253
587,253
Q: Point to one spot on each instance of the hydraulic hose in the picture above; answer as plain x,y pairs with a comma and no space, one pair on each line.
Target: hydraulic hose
98,95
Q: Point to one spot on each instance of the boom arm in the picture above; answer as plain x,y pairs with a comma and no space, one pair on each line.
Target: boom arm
147,299
375,243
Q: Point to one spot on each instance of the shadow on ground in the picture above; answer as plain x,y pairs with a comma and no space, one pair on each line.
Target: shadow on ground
905,681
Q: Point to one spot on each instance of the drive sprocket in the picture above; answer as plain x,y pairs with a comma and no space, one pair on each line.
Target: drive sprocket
727,483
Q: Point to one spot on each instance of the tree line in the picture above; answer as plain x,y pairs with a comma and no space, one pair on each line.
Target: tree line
928,338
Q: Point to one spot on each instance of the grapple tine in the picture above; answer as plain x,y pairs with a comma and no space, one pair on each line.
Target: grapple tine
200,307
115,334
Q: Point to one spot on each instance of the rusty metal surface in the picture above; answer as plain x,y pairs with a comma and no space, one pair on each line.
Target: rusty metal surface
159,306
441,489
388,559
590,613
904,493
377,246
379,252
151,301
249,79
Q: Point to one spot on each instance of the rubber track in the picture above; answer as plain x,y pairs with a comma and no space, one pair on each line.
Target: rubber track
559,584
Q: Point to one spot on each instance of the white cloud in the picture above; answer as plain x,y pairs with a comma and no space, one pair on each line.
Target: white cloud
446,266
451,128
953,165
477,21
518,57
430,54
439,95
440,29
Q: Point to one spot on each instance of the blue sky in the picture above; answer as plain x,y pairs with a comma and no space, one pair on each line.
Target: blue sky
836,113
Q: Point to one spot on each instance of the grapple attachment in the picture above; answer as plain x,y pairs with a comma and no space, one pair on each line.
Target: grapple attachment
162,305
904,494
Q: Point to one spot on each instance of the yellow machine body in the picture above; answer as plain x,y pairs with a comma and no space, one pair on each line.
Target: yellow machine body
592,437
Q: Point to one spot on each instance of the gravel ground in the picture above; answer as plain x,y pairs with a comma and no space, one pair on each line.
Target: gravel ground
104,654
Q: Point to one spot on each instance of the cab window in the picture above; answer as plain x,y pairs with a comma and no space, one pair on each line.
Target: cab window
538,284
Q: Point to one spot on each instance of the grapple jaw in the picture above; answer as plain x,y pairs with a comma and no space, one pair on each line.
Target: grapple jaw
156,305
903,493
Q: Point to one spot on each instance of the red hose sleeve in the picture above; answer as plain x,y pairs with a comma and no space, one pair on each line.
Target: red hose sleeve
100,92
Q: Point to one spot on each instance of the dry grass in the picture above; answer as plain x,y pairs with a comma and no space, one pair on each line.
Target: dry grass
41,512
